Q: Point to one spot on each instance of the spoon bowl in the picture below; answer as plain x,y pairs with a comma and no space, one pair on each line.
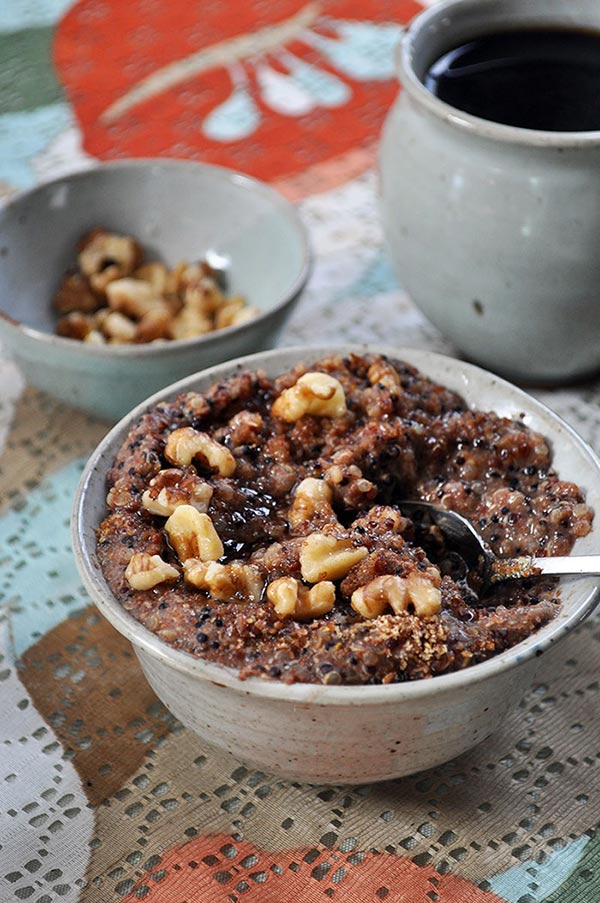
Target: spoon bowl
472,547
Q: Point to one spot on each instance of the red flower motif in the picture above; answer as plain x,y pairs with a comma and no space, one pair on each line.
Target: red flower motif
213,869
152,79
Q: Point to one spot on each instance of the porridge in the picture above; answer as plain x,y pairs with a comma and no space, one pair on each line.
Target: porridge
258,524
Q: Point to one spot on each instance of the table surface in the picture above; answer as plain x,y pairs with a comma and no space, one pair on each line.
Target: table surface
103,795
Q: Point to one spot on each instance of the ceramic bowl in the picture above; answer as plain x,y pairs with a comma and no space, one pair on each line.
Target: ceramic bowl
343,734
493,229
178,210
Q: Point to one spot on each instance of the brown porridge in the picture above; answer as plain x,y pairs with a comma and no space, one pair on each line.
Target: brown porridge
256,525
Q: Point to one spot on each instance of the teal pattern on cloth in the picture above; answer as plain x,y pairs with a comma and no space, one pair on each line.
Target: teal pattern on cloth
33,111
38,579
19,14
539,880
23,136
361,50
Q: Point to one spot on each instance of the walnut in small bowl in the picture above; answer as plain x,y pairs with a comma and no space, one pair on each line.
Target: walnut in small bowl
114,296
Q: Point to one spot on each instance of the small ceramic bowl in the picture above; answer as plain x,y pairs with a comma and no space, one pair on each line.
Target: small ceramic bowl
178,210
344,734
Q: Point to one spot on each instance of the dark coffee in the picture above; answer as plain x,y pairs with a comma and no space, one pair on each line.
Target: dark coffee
532,78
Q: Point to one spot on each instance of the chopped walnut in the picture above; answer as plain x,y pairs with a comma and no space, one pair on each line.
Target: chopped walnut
75,294
100,281
173,487
244,428
185,444
74,326
314,393
94,337
147,571
225,582
312,500
153,325
100,249
419,591
189,323
234,312
383,373
325,557
181,303
155,274
193,535
290,598
119,328
133,297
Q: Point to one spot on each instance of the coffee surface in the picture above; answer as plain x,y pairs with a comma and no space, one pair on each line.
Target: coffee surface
546,79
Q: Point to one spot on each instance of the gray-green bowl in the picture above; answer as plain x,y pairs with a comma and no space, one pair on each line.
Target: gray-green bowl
344,734
178,210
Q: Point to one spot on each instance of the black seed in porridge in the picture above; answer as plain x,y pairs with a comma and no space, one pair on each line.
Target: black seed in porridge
265,532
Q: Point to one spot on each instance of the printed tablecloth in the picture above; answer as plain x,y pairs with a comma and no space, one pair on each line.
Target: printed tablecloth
103,795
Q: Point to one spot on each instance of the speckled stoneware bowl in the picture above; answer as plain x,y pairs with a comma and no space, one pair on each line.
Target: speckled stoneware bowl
178,210
494,229
342,734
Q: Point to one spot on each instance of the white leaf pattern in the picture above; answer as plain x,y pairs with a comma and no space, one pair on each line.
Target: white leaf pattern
46,822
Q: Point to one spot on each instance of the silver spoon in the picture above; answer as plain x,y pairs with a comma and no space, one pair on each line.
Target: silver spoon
465,539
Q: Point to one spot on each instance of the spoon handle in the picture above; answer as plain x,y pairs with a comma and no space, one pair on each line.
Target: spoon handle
518,568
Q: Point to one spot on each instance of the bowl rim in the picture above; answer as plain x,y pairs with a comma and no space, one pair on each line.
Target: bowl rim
158,349
146,642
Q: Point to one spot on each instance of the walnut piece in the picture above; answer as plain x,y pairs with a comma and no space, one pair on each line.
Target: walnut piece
225,582
156,274
119,328
100,249
186,443
314,393
192,535
75,294
325,557
153,325
419,591
173,487
234,312
100,281
74,325
133,297
147,571
189,323
383,373
290,598
181,303
312,497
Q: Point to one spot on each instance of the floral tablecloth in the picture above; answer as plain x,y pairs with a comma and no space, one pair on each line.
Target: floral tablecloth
103,795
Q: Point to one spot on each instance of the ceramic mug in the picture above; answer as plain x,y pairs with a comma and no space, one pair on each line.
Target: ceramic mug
494,230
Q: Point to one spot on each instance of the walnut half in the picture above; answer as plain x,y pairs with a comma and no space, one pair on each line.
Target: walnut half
186,443
312,498
193,535
419,591
314,393
173,487
147,571
324,557
225,582
290,598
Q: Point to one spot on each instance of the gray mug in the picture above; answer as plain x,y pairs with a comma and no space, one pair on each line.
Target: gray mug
494,230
